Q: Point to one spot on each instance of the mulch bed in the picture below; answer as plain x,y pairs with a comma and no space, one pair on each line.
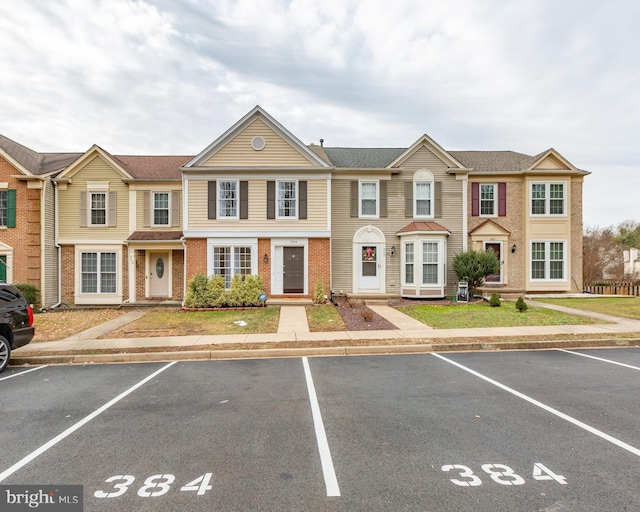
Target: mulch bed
358,317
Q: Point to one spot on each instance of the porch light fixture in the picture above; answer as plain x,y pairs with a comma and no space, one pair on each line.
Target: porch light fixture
393,250
265,258
513,248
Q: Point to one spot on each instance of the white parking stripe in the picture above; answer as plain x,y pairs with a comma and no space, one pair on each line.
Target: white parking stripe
22,373
330,479
79,424
598,358
566,417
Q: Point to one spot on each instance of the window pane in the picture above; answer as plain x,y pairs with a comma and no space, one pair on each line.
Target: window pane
242,260
228,198
423,198
286,198
430,263
556,263
98,208
161,208
108,272
538,202
487,200
89,272
408,267
368,194
222,263
538,260
556,201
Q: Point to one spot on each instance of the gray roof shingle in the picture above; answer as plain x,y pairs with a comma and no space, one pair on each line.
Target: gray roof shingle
36,163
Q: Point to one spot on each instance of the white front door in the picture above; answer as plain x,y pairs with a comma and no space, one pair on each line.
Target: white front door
370,266
159,274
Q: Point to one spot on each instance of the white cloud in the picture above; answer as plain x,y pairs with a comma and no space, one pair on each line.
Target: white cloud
159,76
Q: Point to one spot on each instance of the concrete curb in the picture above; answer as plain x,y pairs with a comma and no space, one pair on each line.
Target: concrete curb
212,354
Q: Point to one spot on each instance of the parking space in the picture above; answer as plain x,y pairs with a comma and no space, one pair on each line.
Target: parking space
474,431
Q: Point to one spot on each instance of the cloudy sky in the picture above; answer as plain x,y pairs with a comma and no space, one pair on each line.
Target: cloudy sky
170,76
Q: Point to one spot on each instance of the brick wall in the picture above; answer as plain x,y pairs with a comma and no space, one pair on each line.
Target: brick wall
264,269
68,274
196,257
178,275
319,264
25,237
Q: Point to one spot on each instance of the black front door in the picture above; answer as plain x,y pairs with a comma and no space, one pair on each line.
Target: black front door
293,270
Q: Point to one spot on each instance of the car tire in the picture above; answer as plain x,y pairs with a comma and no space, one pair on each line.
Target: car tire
5,353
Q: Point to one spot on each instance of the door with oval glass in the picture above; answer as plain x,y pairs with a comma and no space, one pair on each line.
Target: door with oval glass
159,274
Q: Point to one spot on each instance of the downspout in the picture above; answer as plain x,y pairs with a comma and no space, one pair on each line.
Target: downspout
55,242
465,212
184,269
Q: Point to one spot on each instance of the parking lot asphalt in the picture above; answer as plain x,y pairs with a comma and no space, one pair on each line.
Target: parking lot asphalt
410,337
493,431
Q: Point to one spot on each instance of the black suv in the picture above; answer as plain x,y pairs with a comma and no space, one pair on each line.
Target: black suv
16,322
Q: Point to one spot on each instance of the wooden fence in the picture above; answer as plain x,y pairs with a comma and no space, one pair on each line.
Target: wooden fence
614,289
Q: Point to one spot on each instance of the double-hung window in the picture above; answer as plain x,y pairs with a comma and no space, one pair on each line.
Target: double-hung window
488,200
429,263
369,199
287,206
548,261
423,197
548,199
408,263
98,208
228,199
231,260
98,272
161,208
3,208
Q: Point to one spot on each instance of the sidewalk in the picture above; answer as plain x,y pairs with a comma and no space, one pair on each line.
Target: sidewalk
410,337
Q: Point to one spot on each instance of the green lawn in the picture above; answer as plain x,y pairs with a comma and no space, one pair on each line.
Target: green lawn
324,318
483,315
185,323
627,307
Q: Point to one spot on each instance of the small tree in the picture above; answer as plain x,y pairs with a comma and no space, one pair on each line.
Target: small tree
521,305
318,293
474,266
494,301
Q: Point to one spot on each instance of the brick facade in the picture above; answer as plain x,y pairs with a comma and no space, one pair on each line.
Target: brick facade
25,237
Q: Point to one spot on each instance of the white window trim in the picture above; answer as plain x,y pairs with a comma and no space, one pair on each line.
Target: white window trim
495,200
287,217
547,261
547,198
232,243
416,198
219,215
418,242
98,298
360,199
90,194
153,208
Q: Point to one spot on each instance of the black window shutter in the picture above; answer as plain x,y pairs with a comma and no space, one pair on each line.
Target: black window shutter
408,198
438,199
211,199
354,199
244,199
271,199
302,207
383,199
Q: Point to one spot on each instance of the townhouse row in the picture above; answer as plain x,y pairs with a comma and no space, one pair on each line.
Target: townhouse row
96,228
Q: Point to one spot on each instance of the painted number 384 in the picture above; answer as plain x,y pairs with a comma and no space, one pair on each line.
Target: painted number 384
499,473
154,486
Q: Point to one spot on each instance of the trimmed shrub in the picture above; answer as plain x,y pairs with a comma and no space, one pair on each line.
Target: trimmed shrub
30,293
474,266
203,292
494,301
521,305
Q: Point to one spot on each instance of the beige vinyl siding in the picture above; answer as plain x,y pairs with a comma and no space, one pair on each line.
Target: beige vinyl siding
49,291
140,209
97,170
277,151
344,227
316,209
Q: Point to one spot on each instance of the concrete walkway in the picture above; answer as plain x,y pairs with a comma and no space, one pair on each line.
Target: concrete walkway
411,336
